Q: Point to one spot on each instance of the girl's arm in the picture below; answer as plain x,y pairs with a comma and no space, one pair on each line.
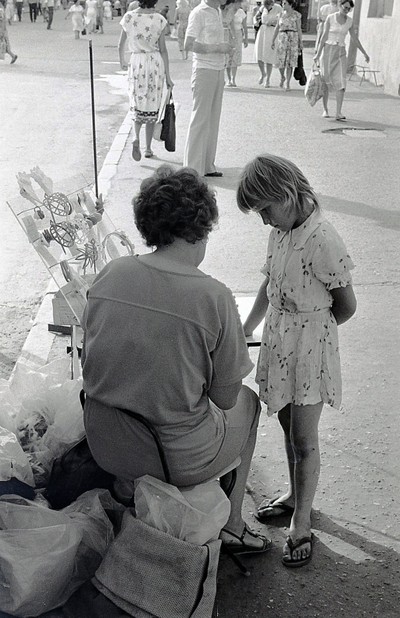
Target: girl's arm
121,50
276,32
164,55
344,304
258,311
356,40
322,40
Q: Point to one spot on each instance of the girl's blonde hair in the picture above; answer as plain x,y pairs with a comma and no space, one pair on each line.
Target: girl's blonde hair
269,179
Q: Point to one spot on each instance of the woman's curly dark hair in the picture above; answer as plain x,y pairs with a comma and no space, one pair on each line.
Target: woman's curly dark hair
174,204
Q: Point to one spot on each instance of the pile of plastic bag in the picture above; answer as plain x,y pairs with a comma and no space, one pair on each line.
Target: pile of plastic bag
40,418
46,555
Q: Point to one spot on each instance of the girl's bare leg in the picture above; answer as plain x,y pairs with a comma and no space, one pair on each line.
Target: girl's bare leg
284,420
304,422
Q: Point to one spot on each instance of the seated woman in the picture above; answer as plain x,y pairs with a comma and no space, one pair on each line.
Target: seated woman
164,339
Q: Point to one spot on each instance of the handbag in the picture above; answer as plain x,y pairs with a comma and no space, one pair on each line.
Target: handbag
168,132
315,86
299,73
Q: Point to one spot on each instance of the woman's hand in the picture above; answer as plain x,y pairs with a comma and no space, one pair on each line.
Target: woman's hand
169,82
123,66
366,58
272,45
245,43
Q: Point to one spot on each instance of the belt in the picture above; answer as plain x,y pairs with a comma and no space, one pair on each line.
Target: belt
288,30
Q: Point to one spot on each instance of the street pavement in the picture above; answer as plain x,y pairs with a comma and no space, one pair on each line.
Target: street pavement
353,167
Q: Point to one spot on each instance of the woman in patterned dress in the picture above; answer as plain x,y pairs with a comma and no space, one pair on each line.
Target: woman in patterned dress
143,29
237,24
288,31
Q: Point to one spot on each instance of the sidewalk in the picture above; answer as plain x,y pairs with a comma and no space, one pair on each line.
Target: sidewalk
355,569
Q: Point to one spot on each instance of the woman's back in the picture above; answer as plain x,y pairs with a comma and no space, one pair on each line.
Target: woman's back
143,30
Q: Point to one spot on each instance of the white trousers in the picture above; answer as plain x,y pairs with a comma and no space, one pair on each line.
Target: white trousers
202,137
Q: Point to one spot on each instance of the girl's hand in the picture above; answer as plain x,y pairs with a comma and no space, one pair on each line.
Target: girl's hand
245,43
316,58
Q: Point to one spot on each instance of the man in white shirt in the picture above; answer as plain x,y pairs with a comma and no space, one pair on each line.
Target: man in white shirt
205,37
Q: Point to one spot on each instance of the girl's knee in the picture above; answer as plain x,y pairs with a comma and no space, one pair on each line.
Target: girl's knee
304,447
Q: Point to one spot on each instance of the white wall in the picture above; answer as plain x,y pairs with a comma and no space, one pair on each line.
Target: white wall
381,39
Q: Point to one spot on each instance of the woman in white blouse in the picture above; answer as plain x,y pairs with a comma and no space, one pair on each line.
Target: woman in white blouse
334,65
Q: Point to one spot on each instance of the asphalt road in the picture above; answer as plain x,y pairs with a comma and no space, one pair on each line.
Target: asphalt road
46,121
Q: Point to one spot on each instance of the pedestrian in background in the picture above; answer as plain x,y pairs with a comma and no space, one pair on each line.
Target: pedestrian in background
19,6
49,12
182,17
33,10
264,54
205,37
143,29
5,47
290,42
257,12
107,6
10,10
90,15
100,16
334,62
76,12
323,12
236,23
306,294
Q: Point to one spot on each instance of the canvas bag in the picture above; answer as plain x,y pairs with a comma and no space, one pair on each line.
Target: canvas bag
149,573
315,86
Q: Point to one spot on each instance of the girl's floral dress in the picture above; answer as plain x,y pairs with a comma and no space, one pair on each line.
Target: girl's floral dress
299,359
146,68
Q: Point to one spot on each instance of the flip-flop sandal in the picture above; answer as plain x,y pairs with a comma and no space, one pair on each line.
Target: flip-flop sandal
293,564
149,154
136,154
241,547
273,509
340,117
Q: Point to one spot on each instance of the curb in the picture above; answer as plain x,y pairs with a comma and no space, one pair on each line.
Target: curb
38,344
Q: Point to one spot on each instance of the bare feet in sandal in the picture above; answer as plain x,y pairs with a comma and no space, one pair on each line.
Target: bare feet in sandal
248,542
274,508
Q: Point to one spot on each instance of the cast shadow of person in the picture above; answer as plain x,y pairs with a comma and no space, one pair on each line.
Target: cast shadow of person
349,575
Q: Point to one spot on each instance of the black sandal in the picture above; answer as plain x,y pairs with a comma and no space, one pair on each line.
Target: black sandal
242,547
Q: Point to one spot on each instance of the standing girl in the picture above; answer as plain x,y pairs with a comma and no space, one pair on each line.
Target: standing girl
334,65
143,29
307,293
290,43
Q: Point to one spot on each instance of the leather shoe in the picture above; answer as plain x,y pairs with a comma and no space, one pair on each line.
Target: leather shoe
214,174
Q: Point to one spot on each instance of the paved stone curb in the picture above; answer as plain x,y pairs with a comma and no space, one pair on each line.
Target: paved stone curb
39,341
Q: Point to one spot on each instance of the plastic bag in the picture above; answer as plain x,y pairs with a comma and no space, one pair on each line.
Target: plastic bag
315,87
195,515
46,555
13,461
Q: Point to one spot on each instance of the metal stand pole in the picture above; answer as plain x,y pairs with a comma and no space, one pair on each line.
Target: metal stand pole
93,118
